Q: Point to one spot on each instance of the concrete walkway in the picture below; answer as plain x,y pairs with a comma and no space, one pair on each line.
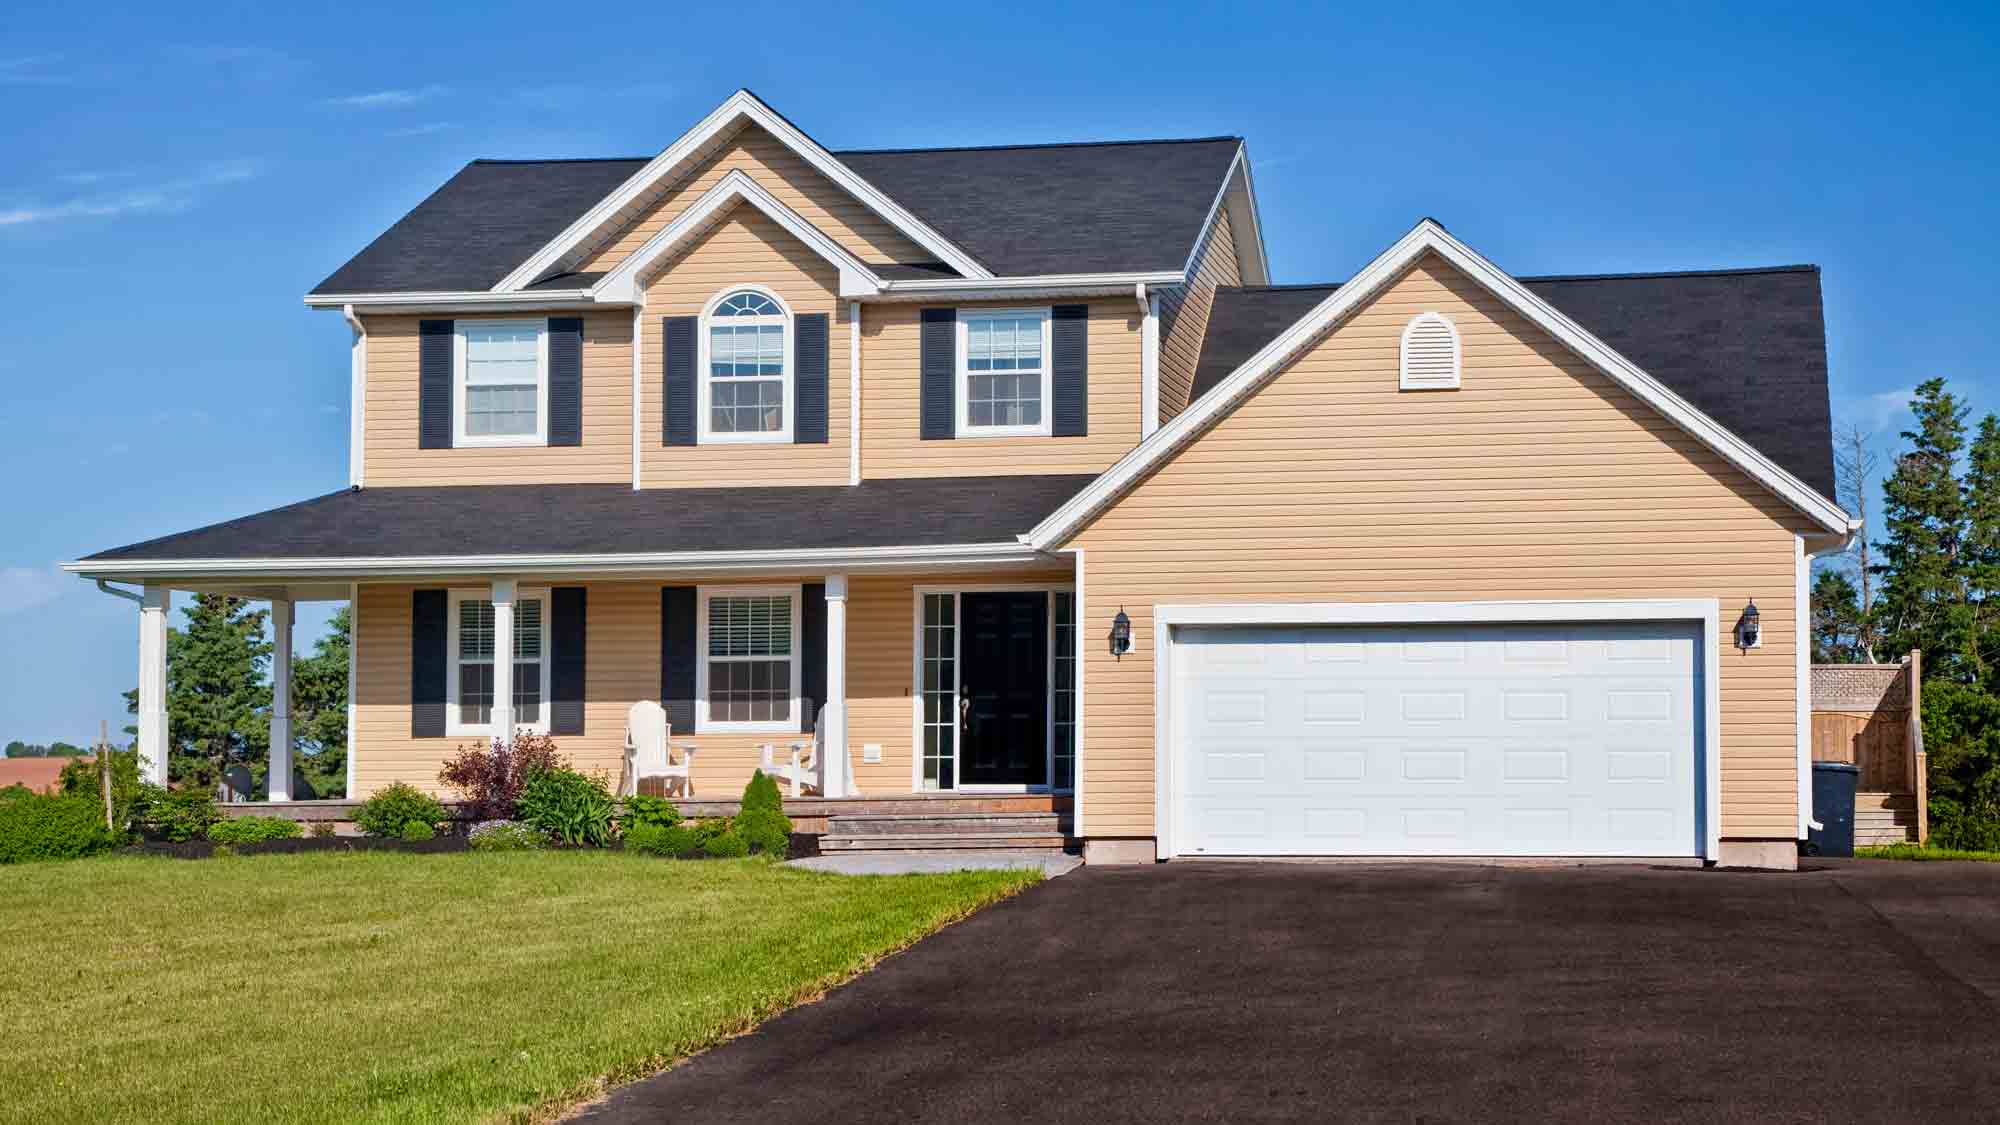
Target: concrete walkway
931,863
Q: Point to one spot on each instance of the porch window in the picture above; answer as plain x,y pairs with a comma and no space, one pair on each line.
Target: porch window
940,689
750,668
1063,692
471,684
502,385
1003,373
745,377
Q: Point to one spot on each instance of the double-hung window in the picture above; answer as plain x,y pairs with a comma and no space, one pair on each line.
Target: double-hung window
470,687
746,385
748,678
1003,372
501,389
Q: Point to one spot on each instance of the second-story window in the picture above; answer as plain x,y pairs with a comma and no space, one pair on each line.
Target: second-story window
746,385
1003,372
501,393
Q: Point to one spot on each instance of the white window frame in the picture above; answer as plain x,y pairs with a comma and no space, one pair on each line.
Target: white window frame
461,439
962,390
704,434
454,727
706,594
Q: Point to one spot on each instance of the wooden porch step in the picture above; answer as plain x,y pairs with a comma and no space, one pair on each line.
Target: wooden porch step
936,842
1868,837
1872,801
951,823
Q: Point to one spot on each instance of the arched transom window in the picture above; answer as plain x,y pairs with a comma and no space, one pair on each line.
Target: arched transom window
746,374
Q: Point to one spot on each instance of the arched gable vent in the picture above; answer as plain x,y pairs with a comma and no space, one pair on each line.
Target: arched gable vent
1430,353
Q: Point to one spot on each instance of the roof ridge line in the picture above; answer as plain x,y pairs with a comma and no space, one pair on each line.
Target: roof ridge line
1048,144
560,159
1737,271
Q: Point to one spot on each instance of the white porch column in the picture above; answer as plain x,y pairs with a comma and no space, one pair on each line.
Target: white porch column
503,659
280,775
153,684
838,784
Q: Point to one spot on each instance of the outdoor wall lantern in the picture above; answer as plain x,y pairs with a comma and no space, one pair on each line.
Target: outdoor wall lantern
1749,634
1121,633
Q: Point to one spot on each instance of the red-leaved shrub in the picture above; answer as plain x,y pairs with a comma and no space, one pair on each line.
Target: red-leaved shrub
489,778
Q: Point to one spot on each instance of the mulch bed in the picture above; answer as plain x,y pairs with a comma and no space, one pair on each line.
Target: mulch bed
803,845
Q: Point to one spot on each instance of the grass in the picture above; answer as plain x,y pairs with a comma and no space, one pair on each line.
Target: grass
398,987
1920,852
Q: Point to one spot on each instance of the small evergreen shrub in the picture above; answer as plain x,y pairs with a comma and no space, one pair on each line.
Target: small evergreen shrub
575,808
506,836
490,778
762,793
389,811
322,830
653,812
725,845
416,832
41,826
180,815
765,831
255,830
80,778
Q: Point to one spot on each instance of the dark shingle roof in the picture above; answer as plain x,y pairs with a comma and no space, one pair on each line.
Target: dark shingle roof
1746,347
615,519
1084,208
479,226
1048,209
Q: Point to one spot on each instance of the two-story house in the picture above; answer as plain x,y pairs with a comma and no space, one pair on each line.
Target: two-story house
1008,472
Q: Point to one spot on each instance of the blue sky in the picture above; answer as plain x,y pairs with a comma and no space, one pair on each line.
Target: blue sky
173,180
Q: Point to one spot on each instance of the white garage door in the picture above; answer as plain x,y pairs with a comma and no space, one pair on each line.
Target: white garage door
1438,740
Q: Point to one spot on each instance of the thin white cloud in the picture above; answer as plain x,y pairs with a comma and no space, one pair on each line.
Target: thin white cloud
424,130
25,587
1873,413
385,99
174,194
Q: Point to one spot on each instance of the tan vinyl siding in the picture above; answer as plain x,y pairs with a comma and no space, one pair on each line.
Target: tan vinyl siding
623,667
891,436
745,248
1184,315
1540,479
786,176
390,452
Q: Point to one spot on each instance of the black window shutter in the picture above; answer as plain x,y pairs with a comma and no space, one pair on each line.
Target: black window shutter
809,346
566,380
1069,329
429,630
677,346
937,365
677,657
812,653
568,607
434,345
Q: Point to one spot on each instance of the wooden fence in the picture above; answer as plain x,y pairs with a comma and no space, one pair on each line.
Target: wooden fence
1870,716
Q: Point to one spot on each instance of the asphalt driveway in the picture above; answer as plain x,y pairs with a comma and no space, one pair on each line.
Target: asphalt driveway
1231,992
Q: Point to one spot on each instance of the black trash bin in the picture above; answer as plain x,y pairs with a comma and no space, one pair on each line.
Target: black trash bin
1833,809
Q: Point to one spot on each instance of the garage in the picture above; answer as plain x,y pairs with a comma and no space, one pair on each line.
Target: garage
1483,738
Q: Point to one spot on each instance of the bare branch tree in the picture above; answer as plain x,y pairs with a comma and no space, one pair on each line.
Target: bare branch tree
1854,466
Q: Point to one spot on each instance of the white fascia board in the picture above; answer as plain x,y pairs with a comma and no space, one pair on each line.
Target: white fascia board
461,301
739,107
1208,221
622,285
1426,237
1018,288
1250,255
1437,613
679,562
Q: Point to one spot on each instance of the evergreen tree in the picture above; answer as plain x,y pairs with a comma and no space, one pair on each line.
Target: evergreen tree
1980,572
218,691
1836,620
319,709
1923,603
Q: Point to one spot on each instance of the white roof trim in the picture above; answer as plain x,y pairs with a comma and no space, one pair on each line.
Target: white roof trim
1242,205
809,559
479,300
622,285
1426,237
740,106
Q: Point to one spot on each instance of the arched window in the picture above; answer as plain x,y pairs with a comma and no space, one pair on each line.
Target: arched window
746,376
1430,353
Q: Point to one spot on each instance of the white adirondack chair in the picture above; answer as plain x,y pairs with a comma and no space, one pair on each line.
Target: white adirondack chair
807,767
649,751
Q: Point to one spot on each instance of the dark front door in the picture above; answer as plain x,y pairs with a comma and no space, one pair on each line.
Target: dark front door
1003,685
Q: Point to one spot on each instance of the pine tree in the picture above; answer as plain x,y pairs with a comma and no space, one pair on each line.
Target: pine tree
1922,603
1980,571
218,691
1836,620
319,708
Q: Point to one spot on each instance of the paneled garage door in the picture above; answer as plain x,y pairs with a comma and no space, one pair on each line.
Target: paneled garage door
1438,740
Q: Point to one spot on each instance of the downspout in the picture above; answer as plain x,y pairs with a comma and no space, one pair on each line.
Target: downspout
115,592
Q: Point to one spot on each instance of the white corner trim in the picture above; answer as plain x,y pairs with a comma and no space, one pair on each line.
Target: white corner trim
854,392
624,284
353,666
357,398
1426,237
1802,661
638,390
1149,368
1079,611
1166,618
739,107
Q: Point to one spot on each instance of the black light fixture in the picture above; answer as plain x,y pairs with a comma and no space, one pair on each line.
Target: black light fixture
1749,633
1121,633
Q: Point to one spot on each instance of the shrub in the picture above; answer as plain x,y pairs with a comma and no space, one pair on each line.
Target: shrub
41,826
222,851
677,840
764,830
1962,740
650,812
726,845
388,811
179,815
506,836
80,778
15,792
573,807
255,830
762,793
489,778
321,830
416,831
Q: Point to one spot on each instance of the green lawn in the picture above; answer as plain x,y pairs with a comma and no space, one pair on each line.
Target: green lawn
396,987
1914,851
